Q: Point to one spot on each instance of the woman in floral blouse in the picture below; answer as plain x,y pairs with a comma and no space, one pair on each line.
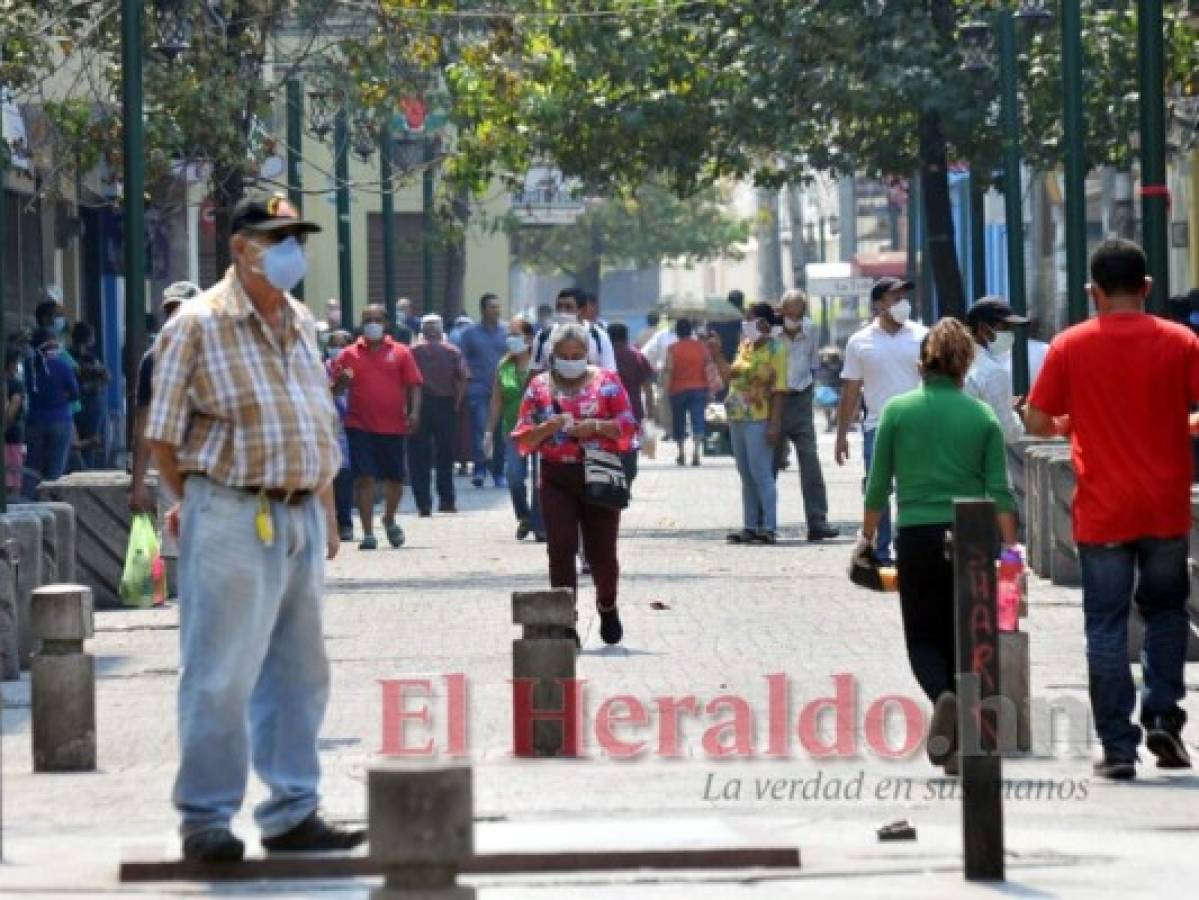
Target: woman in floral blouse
759,370
564,409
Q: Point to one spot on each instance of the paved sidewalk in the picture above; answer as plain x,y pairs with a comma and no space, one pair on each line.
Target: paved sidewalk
731,616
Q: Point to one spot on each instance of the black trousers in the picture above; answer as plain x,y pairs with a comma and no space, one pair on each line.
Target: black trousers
432,447
926,598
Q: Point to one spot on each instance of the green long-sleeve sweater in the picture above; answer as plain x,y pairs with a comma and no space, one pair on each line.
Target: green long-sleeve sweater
937,444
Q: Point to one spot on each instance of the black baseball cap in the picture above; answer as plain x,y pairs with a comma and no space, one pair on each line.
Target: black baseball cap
993,310
264,215
887,284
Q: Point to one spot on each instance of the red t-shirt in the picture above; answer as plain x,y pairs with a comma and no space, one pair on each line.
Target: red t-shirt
378,392
1127,381
688,361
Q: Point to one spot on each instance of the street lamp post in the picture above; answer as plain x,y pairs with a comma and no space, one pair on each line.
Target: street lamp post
427,186
134,150
3,308
1155,195
295,138
341,175
389,236
1076,171
1012,201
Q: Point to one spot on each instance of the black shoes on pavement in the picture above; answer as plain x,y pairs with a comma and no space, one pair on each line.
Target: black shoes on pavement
213,845
524,529
610,628
823,532
1163,738
314,835
1116,768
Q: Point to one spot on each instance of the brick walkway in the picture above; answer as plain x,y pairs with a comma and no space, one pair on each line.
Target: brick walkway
733,615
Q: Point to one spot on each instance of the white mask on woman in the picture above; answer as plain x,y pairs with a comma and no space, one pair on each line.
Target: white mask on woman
750,330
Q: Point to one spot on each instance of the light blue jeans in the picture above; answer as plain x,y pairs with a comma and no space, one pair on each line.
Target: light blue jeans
253,678
755,465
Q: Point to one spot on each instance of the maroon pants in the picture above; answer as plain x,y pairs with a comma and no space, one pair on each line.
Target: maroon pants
566,515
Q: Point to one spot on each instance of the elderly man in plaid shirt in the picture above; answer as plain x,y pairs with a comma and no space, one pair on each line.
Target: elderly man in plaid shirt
243,428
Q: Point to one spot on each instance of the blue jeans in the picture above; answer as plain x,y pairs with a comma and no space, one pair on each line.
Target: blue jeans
48,447
254,679
688,403
1153,572
518,468
480,411
882,541
755,465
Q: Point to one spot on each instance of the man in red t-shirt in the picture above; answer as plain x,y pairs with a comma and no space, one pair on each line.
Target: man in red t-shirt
384,406
1126,382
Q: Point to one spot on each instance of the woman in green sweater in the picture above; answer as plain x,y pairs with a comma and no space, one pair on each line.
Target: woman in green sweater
511,379
936,444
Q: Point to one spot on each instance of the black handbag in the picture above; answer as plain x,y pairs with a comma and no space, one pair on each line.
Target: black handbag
604,480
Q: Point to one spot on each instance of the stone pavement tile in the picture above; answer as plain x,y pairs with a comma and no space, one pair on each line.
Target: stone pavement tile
735,615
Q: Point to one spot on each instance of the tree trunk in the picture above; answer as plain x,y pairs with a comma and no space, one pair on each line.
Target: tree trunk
770,261
228,186
591,275
455,258
799,245
938,214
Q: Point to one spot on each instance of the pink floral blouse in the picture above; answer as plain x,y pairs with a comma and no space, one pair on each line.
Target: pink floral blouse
603,398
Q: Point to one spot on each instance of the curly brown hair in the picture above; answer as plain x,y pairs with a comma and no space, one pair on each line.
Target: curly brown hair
947,349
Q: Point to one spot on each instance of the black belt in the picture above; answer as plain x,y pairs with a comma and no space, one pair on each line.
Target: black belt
797,393
280,495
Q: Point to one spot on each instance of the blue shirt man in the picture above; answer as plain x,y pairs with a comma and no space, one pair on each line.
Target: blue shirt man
484,345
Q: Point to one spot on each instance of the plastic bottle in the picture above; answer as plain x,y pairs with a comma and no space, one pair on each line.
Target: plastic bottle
1011,566
158,575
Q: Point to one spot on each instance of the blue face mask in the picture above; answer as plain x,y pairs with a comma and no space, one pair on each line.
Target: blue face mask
284,264
60,324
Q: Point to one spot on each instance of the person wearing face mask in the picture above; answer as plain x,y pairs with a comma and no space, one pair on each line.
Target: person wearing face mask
90,417
483,346
445,374
53,392
573,405
792,416
990,321
384,385
567,311
511,379
244,430
753,378
881,361
343,485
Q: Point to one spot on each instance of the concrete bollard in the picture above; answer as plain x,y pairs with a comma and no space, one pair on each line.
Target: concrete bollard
1015,683
544,710
64,538
1040,505
10,642
26,532
49,539
1020,472
1064,567
64,680
421,830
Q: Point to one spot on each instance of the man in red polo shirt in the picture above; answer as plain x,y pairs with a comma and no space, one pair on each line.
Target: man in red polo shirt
384,385
1127,381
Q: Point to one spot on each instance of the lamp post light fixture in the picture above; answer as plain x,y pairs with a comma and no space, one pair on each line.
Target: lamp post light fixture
173,27
975,39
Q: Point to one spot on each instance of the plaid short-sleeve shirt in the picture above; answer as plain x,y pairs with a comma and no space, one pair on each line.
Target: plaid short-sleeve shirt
240,408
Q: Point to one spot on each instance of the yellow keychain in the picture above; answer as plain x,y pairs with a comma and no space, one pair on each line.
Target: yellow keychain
264,522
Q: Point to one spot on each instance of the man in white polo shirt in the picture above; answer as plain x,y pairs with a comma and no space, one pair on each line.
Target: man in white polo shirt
881,362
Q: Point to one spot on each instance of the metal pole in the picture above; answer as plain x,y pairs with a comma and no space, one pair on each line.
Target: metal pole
1155,196
295,141
823,244
978,238
3,313
1076,167
389,236
1013,208
427,229
132,13
341,175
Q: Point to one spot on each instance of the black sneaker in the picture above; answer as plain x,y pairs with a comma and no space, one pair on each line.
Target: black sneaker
744,536
1116,768
345,533
766,537
425,513
213,845
523,529
314,835
1164,740
610,628
823,532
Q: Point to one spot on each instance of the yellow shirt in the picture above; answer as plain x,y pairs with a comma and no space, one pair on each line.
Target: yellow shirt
757,372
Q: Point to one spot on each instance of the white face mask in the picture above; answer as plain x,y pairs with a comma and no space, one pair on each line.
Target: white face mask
1003,343
570,368
900,311
517,343
793,324
749,330
373,331
566,318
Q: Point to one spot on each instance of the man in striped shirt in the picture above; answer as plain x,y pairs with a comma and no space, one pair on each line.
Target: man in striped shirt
244,430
